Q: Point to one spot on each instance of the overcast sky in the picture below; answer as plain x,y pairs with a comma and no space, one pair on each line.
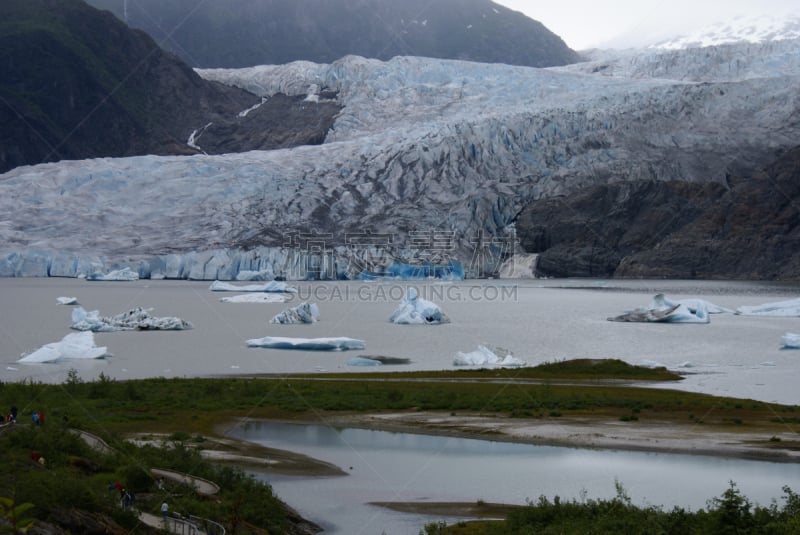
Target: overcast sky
588,23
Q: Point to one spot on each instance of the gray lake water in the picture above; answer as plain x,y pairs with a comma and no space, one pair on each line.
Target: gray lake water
384,466
539,321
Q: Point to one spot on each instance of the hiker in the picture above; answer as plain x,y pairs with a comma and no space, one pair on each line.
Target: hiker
164,509
12,417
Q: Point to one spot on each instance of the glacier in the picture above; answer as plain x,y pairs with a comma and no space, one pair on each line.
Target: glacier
423,149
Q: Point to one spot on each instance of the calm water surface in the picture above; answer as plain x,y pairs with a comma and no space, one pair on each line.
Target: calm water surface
538,321
384,466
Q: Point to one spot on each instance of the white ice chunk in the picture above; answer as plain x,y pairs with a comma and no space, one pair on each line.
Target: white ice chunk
312,344
67,300
791,341
270,286
662,310
484,356
124,274
660,301
137,319
416,311
788,308
255,298
72,346
302,313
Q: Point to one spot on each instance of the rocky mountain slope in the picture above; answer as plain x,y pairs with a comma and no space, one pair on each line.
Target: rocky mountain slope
745,228
77,83
422,148
271,32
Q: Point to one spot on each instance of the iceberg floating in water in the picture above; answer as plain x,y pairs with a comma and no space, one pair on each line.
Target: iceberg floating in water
72,346
363,361
124,274
270,286
484,356
302,313
660,301
311,344
67,300
416,311
791,341
137,319
255,298
788,308
663,310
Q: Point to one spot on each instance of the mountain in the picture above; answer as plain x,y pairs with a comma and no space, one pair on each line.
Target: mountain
243,33
750,29
433,158
745,228
77,83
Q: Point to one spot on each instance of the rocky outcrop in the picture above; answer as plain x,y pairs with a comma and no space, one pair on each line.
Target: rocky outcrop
225,33
748,228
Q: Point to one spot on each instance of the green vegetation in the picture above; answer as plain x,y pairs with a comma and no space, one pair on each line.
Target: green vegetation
187,409
730,513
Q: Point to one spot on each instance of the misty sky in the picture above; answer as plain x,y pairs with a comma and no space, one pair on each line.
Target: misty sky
587,23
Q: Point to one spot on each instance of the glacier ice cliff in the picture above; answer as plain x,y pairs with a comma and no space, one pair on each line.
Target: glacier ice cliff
428,159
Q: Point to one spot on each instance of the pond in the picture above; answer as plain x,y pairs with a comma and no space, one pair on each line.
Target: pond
389,466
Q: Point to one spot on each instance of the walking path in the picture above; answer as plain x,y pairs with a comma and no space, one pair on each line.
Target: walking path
174,523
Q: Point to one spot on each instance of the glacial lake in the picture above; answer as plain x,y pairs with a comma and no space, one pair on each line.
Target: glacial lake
387,466
537,320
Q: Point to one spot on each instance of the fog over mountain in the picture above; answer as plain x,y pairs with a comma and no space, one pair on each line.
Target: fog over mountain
421,146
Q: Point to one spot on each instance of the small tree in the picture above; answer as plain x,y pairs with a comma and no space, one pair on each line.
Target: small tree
15,516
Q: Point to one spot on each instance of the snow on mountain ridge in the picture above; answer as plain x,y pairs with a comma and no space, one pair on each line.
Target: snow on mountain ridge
749,29
421,145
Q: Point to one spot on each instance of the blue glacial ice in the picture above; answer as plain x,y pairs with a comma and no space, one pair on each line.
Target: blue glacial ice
791,341
270,286
785,309
414,310
310,344
124,274
663,310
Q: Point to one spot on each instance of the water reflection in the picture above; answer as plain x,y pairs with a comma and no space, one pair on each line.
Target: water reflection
386,466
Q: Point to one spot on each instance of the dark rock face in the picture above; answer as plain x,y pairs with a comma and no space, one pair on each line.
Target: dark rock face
244,33
77,83
747,230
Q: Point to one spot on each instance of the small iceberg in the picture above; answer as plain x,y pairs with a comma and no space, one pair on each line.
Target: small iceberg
137,319
309,344
784,309
270,286
484,356
255,298
72,346
791,341
67,300
416,311
302,313
124,274
663,310
363,361
377,360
